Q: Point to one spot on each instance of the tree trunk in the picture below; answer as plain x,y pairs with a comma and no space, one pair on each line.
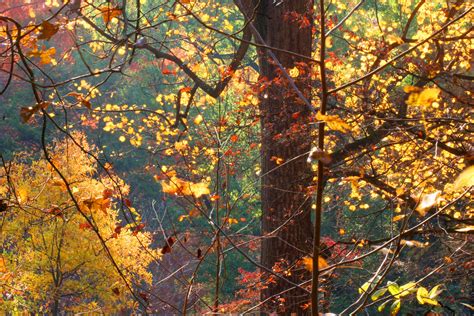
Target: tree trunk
286,135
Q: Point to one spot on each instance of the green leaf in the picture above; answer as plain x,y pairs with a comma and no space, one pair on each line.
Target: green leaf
406,289
378,293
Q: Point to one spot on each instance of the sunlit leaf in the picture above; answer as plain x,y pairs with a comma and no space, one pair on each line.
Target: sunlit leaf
421,97
465,178
308,263
334,122
427,201
395,308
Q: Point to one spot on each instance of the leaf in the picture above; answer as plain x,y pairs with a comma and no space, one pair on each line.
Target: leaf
308,263
394,39
377,294
465,178
465,229
468,306
420,97
138,228
185,89
365,287
108,13
80,98
44,54
428,201
435,291
198,119
393,288
181,187
167,248
47,30
3,266
294,72
234,138
395,308
27,112
382,306
85,225
423,297
406,289
333,122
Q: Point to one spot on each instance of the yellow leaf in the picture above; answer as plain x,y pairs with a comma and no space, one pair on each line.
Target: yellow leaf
394,39
423,297
180,146
182,187
294,72
198,119
420,97
200,188
465,178
334,122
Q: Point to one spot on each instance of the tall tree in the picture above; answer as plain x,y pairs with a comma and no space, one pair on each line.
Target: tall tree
286,134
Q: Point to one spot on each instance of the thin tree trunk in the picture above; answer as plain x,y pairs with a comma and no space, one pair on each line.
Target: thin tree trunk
286,140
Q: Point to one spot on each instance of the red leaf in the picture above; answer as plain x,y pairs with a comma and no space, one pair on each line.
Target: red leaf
138,229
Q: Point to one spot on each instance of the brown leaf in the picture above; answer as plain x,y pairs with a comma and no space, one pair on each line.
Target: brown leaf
116,291
27,112
47,30
167,247
80,98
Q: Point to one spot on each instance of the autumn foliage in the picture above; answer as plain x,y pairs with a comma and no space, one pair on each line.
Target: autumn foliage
195,157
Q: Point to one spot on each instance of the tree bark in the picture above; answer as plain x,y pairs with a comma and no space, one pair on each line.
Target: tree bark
286,135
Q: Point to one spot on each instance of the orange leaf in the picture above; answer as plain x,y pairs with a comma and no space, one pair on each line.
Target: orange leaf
308,263
234,138
185,89
109,13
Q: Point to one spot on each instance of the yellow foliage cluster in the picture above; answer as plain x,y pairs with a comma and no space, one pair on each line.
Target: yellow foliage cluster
52,249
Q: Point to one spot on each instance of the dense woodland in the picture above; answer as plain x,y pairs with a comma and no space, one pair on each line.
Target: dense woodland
205,157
